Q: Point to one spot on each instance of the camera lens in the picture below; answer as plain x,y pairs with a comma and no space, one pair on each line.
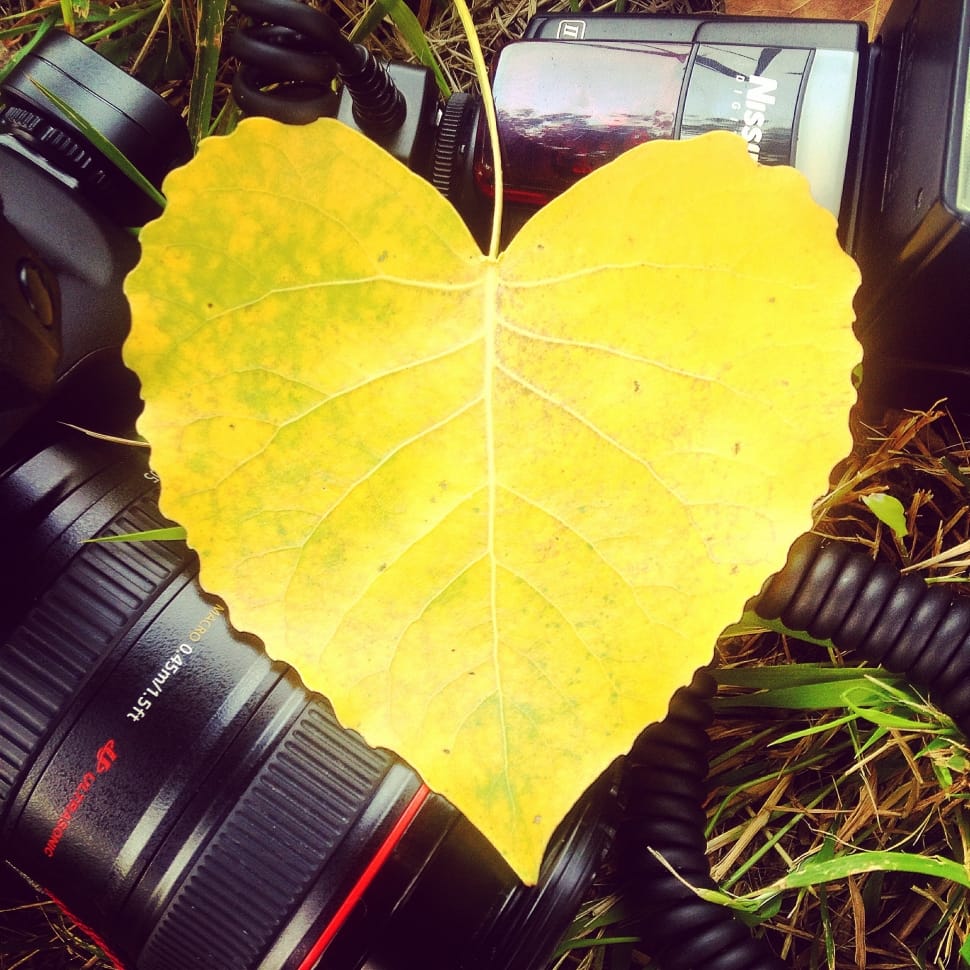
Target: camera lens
184,797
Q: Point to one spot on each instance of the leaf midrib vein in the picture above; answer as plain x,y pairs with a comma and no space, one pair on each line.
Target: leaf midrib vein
490,318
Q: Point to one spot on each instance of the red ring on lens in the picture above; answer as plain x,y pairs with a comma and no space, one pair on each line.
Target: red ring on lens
365,879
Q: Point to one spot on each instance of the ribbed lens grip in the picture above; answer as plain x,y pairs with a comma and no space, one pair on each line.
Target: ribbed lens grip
266,853
104,589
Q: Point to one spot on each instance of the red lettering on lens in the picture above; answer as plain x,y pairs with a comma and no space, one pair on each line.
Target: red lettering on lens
104,759
106,756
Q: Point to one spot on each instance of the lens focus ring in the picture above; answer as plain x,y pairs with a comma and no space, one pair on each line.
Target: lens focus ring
279,836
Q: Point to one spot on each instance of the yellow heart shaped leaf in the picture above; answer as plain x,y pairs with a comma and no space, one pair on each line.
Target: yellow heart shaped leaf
497,510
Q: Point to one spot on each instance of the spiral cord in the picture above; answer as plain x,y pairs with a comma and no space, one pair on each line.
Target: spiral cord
835,593
291,56
665,789
830,591
379,107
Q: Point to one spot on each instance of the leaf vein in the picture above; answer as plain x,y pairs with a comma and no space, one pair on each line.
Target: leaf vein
587,646
344,392
592,346
375,378
439,286
488,382
373,470
569,528
591,426
586,272
275,195
437,594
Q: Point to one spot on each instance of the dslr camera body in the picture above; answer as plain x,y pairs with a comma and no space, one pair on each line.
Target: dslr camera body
181,795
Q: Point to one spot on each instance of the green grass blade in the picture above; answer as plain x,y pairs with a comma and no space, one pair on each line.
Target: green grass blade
866,692
208,48
814,729
823,869
46,25
170,534
113,439
814,873
121,22
410,28
750,912
798,675
67,15
811,697
888,510
751,623
887,719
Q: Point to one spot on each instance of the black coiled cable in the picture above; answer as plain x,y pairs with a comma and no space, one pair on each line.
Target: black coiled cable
899,622
665,785
831,592
292,55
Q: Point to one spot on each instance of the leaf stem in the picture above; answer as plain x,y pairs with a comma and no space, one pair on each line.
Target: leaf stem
488,106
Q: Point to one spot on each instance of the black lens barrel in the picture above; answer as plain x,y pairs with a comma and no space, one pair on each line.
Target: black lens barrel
319,804
186,798
55,634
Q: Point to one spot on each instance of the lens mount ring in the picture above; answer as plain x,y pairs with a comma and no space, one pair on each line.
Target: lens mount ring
57,145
